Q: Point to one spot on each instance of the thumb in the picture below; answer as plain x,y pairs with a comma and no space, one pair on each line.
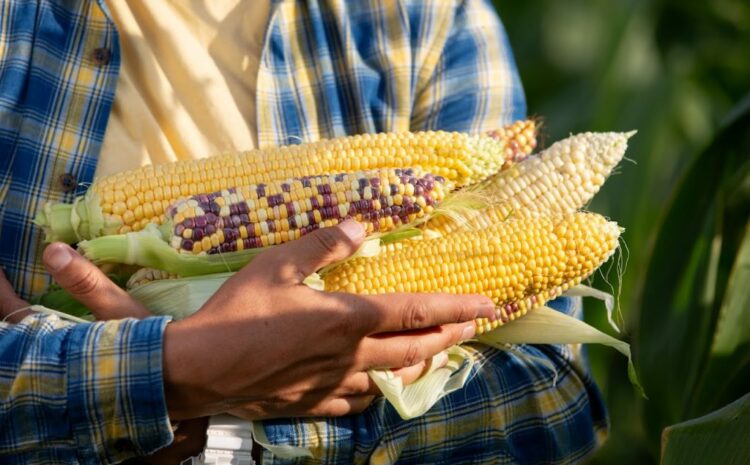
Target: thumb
88,285
297,259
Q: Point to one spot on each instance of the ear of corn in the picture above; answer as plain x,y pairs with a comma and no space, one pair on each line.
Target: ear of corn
557,181
520,264
129,201
224,230
261,215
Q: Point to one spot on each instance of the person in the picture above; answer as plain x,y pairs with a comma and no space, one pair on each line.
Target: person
95,86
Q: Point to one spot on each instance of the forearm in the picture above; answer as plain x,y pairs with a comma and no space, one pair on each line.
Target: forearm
94,390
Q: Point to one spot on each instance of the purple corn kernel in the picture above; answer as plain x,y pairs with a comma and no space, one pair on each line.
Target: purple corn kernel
178,229
271,226
394,189
187,244
286,187
189,223
418,190
210,218
429,177
236,221
242,207
314,202
311,217
244,218
440,179
198,234
210,229
200,222
290,209
260,189
339,177
409,172
233,210
305,182
292,222
396,219
203,198
395,209
326,200
363,183
375,182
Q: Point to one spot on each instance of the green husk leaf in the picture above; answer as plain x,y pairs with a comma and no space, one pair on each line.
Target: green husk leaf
547,326
148,249
415,399
607,298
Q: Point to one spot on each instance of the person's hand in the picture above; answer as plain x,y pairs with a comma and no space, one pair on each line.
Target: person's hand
10,303
266,345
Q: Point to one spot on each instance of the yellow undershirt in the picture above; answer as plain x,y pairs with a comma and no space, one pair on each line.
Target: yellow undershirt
187,80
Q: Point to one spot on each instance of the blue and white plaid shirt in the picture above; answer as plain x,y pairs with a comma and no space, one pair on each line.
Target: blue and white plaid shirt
86,393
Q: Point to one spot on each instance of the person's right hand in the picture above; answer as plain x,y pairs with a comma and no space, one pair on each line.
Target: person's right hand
266,345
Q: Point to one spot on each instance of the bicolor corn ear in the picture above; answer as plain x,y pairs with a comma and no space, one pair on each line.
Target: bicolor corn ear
268,214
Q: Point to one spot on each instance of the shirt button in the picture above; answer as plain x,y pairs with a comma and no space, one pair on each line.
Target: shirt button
67,182
101,56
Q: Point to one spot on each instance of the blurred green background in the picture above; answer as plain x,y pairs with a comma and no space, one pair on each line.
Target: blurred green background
673,70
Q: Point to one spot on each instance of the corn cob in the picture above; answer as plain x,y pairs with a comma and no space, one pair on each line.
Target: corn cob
520,264
557,181
129,201
214,232
268,214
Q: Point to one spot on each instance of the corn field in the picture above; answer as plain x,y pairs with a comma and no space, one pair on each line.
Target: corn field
678,72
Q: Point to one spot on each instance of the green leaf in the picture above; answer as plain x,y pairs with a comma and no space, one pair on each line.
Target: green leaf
721,437
733,328
685,282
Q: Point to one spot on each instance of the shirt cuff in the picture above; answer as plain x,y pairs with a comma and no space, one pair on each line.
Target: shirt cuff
115,389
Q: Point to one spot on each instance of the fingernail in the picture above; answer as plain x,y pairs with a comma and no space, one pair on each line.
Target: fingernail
469,332
352,229
440,360
58,256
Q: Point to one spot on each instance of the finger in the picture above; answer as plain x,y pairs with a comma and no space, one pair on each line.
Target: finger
10,302
403,311
340,406
88,285
410,374
361,383
294,261
397,350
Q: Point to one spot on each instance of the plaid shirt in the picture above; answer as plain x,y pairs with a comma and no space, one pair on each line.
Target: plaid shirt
87,393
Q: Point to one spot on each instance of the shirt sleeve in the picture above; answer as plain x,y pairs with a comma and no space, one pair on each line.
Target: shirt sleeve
90,392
